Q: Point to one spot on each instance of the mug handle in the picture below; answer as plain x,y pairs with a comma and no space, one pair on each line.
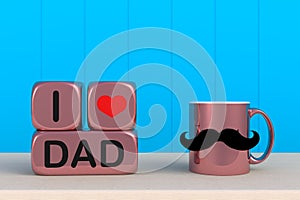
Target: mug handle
265,155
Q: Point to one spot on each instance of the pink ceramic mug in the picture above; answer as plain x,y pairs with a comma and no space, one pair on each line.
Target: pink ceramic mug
223,122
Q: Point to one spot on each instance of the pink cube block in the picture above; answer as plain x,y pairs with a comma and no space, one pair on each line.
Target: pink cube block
56,106
111,106
84,152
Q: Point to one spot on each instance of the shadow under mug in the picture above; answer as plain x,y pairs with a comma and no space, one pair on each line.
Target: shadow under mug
220,159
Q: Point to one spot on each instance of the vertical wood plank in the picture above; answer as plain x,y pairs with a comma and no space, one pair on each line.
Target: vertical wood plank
280,63
152,13
237,51
103,20
62,39
20,68
196,20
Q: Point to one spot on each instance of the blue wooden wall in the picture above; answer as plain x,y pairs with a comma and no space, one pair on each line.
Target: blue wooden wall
255,44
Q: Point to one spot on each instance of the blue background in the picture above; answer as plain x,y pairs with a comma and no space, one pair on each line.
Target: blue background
255,45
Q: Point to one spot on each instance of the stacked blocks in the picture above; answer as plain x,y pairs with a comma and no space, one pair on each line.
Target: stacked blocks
60,147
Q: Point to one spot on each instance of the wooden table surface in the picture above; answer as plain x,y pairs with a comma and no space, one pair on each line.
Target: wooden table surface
161,175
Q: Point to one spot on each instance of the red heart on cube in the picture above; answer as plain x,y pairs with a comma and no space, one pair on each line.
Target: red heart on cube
111,106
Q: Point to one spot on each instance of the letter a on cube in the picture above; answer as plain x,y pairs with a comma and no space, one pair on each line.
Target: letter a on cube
84,152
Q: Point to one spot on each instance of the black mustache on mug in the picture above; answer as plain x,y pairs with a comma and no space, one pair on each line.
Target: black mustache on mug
208,137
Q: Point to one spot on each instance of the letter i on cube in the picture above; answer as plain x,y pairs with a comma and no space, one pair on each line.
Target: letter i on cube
59,147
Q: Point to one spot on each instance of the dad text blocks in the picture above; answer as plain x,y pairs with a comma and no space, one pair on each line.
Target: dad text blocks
84,152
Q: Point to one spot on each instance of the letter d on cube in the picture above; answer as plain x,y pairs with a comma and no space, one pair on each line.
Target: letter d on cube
84,152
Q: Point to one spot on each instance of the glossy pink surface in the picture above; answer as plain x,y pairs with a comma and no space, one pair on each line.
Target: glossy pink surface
220,159
254,160
71,139
111,106
69,106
